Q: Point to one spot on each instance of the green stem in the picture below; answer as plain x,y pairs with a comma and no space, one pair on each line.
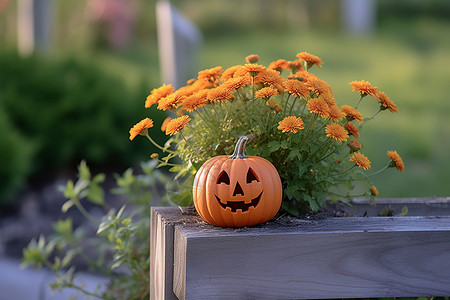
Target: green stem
286,104
71,285
348,196
379,171
292,106
84,212
345,171
368,119
157,145
357,104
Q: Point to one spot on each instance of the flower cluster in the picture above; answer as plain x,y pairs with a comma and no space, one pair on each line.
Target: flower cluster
292,117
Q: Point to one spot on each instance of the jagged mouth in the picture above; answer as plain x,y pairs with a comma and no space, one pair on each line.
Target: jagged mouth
235,205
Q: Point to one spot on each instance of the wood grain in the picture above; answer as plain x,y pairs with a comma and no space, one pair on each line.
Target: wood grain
161,252
333,258
431,206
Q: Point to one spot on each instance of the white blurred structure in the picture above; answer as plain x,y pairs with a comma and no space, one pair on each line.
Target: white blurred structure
358,16
178,41
33,25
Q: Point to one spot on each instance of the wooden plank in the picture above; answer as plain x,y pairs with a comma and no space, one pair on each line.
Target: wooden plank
431,206
161,251
327,258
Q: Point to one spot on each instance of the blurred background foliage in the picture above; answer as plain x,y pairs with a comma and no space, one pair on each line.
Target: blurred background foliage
79,99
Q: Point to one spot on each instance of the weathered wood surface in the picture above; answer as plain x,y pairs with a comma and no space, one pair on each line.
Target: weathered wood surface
161,252
351,257
431,206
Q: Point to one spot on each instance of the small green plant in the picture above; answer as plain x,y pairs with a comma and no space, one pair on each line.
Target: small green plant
121,240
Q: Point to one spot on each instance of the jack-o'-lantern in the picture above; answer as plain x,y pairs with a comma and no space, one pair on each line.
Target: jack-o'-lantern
237,190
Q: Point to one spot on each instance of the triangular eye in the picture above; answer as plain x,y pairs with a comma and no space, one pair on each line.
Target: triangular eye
251,176
223,178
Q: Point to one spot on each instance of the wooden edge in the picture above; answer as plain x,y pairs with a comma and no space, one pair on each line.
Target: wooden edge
430,206
179,265
161,251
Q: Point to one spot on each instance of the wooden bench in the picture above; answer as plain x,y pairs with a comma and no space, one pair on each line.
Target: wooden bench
347,257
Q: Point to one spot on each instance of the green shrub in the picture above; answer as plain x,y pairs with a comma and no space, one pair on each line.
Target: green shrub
70,110
16,153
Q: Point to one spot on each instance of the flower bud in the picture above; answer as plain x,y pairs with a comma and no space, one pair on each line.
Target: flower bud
252,58
354,146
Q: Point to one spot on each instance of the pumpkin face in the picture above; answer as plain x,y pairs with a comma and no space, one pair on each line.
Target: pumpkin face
237,191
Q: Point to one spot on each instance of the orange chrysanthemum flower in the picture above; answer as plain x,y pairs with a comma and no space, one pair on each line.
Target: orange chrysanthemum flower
170,102
266,92
318,106
386,103
352,129
219,94
296,88
164,123
337,132
318,86
195,100
352,113
177,124
254,69
157,94
229,73
141,128
335,113
236,82
290,124
190,81
294,66
374,191
269,77
354,145
252,58
364,88
210,74
310,59
278,108
360,160
305,76
396,160
280,64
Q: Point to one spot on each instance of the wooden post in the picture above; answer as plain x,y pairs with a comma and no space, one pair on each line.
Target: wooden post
358,16
350,257
178,43
33,26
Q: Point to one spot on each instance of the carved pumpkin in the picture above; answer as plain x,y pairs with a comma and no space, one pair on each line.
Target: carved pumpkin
238,190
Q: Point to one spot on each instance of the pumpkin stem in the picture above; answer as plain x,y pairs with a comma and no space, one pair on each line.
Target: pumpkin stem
240,147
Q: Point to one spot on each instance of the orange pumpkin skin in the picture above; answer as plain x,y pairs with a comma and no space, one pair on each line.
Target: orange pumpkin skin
237,191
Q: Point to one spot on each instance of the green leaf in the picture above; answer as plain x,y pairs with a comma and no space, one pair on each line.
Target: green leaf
83,171
404,211
285,144
126,221
99,178
64,228
274,145
96,194
69,191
